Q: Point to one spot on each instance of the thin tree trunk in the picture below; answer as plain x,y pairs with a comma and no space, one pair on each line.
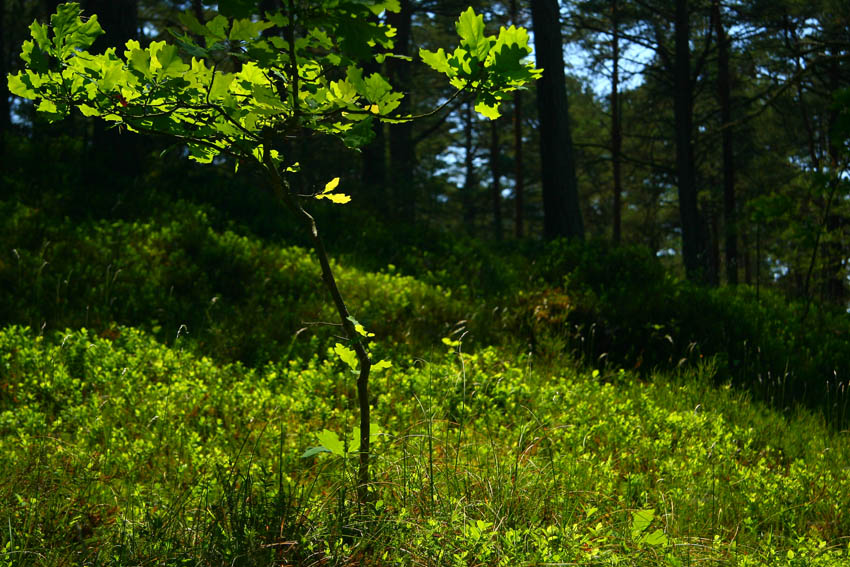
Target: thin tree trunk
5,116
519,172
746,258
470,183
616,132
496,175
730,216
835,286
286,197
561,212
116,151
713,241
693,240
402,153
198,8
373,162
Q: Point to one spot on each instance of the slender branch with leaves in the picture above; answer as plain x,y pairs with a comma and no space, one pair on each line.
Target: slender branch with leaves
238,87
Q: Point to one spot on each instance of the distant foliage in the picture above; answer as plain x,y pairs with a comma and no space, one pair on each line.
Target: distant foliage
619,303
229,296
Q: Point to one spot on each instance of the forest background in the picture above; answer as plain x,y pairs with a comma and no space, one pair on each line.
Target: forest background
679,197
712,135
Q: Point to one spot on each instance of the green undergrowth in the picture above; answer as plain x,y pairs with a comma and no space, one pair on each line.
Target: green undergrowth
620,306
119,450
184,274
171,430
178,275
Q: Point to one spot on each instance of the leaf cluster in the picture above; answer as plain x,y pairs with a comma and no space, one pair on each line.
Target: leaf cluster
491,66
230,85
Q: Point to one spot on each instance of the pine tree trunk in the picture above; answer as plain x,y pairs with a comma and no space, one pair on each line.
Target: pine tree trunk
519,171
561,213
730,217
616,132
116,151
835,252
5,116
693,239
402,152
470,183
198,8
496,176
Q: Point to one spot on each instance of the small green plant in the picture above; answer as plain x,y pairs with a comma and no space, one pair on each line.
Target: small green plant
641,520
119,450
239,87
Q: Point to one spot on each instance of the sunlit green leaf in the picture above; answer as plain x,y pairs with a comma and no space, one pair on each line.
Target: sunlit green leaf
331,185
490,111
338,198
191,23
166,60
112,73
47,106
331,441
246,29
437,60
72,32
361,330
201,153
387,5
37,59
18,86
470,28
641,520
216,29
347,355
220,85
376,87
354,443
658,537
39,33
87,110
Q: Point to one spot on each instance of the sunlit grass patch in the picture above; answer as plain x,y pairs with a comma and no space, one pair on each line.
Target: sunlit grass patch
120,450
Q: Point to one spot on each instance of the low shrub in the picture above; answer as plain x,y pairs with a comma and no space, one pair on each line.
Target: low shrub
231,296
618,305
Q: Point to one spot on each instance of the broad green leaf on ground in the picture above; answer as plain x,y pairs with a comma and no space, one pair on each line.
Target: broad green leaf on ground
658,537
641,520
331,441
314,451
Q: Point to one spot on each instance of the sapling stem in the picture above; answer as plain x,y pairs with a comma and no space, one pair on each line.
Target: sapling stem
288,199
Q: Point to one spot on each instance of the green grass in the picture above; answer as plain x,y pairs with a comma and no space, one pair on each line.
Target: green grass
160,434
121,451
